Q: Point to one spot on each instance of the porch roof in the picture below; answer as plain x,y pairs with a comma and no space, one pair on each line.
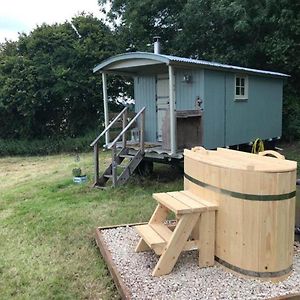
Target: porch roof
131,61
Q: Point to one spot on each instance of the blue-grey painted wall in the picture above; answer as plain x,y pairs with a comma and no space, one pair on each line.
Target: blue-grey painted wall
186,93
214,109
144,95
225,121
260,116
229,122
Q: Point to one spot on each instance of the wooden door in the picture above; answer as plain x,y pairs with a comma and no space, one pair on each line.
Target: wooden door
162,102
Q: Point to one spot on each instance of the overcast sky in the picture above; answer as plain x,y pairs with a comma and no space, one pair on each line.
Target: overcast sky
23,15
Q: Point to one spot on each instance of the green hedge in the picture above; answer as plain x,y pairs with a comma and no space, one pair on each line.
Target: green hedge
47,146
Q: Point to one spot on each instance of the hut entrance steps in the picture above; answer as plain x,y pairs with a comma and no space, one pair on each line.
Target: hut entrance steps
120,169
122,163
195,229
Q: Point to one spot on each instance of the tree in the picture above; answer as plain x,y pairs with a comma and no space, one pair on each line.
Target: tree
140,21
47,85
261,34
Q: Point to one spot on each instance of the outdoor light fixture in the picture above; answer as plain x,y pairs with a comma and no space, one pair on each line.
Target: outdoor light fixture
187,78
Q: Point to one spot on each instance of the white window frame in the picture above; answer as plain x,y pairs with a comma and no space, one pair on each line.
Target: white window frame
240,86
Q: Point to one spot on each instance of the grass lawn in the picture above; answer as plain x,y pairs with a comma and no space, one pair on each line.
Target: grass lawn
47,247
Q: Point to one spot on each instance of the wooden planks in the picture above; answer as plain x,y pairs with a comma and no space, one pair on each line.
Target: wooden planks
155,235
150,239
142,246
169,244
188,201
149,235
207,239
162,230
288,165
176,245
208,204
122,288
240,160
171,203
254,221
182,203
160,214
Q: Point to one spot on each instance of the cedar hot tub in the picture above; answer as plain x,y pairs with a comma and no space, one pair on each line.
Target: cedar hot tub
256,217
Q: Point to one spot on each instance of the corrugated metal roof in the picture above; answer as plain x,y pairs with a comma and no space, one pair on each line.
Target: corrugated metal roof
219,65
169,59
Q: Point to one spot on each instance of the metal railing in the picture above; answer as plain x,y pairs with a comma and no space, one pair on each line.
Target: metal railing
113,145
126,127
122,113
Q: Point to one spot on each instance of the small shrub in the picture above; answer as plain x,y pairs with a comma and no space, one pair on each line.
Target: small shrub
76,172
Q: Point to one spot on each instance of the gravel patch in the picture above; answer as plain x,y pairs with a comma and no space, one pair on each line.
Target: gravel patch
187,280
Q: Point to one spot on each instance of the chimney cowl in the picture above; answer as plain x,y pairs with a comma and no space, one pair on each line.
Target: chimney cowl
156,44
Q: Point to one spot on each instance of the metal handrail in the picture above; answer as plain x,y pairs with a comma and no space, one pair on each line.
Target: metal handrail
126,128
113,146
108,127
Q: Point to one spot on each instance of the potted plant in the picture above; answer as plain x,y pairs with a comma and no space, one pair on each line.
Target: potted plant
78,177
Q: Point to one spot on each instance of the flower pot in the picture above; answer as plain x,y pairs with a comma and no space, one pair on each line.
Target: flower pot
80,179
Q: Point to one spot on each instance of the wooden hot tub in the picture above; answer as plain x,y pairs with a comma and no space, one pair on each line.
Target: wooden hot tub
256,216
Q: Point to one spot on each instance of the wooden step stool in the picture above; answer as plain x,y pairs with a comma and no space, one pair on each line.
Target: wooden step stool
195,229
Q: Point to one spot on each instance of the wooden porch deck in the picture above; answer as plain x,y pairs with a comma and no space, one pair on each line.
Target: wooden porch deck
152,150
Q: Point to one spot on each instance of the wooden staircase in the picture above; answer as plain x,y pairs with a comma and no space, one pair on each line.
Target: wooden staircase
119,172
195,229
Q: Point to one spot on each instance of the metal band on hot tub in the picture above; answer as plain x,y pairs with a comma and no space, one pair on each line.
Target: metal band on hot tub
253,273
242,196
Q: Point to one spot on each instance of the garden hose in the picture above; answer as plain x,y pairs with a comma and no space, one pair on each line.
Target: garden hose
258,146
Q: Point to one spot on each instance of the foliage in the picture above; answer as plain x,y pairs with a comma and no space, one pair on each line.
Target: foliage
291,151
256,34
142,20
291,118
48,88
76,172
51,145
47,85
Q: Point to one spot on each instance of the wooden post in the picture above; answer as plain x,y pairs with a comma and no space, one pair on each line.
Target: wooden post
172,111
114,165
124,125
96,163
142,132
105,106
207,239
176,244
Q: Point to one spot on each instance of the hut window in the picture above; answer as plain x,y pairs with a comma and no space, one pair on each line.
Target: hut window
241,87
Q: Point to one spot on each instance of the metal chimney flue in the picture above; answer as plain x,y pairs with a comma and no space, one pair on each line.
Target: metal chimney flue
156,44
